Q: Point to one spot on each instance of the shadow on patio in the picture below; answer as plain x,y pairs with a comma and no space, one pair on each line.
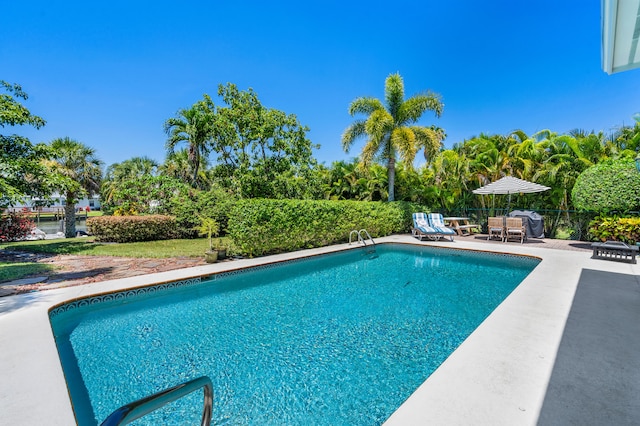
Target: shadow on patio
596,376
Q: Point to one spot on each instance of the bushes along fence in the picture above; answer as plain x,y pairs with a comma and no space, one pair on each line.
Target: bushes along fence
265,226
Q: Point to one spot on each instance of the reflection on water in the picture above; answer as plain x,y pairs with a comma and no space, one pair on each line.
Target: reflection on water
53,227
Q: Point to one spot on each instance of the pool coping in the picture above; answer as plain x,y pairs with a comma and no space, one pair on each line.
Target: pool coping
499,374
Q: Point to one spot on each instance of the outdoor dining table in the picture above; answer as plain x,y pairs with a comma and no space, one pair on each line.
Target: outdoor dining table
461,225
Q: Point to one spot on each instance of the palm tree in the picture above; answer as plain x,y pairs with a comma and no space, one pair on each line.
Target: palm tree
79,172
451,178
193,126
131,169
526,157
375,183
139,166
627,138
389,127
589,148
338,180
177,165
410,184
489,160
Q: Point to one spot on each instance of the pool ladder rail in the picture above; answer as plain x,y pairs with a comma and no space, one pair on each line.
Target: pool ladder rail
369,249
142,407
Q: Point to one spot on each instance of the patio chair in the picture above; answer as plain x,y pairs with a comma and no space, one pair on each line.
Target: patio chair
495,227
515,229
437,222
421,228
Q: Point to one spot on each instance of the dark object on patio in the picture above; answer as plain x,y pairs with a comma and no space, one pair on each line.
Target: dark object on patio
533,222
615,250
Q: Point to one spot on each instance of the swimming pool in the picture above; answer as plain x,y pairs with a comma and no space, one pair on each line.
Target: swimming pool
340,338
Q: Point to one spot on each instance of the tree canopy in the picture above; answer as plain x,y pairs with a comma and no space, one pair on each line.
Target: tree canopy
258,151
12,112
264,152
21,170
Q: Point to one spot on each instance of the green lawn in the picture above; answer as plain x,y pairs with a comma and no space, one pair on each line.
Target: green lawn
16,270
87,246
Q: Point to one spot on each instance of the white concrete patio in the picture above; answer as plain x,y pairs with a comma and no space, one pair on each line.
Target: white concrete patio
502,374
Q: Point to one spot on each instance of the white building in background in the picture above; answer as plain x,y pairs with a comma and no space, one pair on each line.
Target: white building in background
58,202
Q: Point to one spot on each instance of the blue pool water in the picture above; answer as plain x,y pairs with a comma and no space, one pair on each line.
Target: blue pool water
337,339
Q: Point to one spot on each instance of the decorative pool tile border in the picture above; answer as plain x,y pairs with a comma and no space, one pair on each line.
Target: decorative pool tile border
476,252
147,290
264,266
492,253
122,295
141,291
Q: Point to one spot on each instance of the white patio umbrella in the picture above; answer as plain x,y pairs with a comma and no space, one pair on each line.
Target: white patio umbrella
510,185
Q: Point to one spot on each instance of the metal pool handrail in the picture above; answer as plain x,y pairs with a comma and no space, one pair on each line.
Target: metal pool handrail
360,232
142,407
360,237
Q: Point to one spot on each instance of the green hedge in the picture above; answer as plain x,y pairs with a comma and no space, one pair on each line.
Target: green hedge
265,226
625,229
127,229
608,187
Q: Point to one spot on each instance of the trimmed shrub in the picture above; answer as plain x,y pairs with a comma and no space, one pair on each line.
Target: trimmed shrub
625,229
15,227
607,188
127,229
264,226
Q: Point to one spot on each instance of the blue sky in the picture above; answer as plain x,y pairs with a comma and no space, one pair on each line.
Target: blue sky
110,73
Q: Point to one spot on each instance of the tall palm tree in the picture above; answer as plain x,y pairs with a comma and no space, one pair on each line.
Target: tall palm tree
193,126
79,171
389,127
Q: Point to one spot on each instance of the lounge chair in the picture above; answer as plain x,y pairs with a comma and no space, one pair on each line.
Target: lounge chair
422,229
437,222
515,229
495,227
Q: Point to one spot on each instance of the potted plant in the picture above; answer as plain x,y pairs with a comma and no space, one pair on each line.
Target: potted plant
209,227
221,249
